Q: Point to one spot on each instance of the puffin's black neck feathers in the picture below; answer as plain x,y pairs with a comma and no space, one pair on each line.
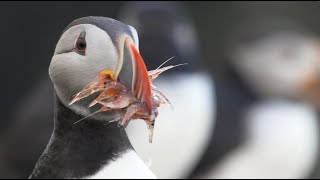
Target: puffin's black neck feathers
79,150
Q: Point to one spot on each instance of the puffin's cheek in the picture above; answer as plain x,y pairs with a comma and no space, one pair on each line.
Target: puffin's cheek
68,74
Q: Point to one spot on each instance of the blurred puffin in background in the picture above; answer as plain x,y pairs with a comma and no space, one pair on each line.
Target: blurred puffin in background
267,122
165,31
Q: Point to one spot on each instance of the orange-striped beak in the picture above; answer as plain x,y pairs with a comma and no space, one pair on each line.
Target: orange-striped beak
133,73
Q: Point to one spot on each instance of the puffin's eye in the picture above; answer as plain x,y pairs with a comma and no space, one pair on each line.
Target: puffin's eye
81,44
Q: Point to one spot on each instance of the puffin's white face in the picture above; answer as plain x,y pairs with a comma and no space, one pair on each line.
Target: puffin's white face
281,65
81,53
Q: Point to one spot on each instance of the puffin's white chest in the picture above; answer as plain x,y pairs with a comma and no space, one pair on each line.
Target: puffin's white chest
282,142
129,166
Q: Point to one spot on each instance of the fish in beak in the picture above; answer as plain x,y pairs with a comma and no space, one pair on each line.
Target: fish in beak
128,89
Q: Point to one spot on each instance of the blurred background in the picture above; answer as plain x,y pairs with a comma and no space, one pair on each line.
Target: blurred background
252,82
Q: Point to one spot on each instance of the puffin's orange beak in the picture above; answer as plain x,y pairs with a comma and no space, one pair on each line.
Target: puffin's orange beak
134,75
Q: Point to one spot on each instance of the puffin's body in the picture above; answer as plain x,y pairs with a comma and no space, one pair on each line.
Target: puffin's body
280,141
88,150
271,84
91,148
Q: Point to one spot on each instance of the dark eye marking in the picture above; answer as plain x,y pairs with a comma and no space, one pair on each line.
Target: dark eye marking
81,44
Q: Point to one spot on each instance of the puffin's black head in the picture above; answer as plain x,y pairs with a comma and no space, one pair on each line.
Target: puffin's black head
86,47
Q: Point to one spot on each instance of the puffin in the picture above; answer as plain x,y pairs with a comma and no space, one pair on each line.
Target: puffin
176,41
270,85
96,147
189,124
